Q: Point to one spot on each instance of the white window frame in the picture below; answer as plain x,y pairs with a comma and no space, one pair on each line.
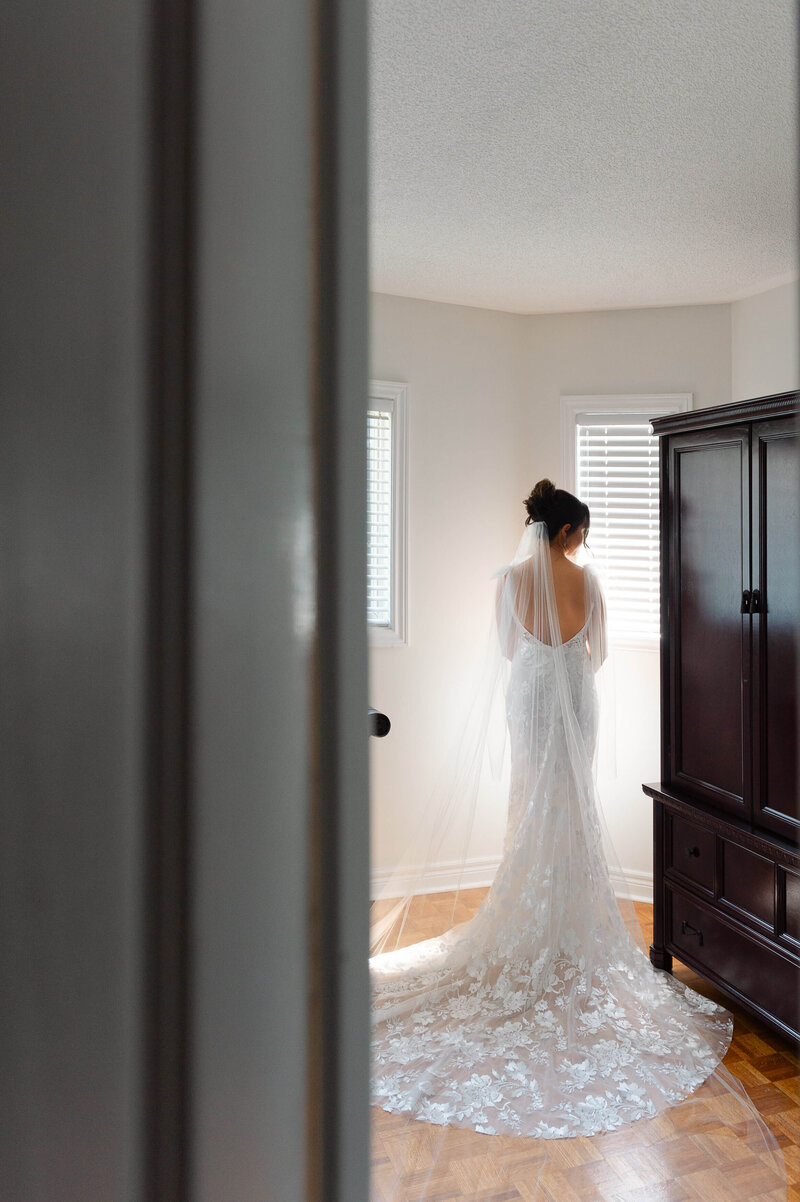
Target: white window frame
655,403
393,396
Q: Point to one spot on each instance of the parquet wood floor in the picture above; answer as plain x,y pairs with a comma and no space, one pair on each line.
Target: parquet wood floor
650,1161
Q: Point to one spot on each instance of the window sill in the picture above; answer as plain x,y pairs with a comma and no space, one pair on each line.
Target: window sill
632,642
385,636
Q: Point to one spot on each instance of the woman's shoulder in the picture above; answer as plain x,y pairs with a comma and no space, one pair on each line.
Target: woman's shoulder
571,581
594,583
576,570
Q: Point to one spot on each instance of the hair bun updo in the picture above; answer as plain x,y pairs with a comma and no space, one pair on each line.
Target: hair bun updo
541,501
556,507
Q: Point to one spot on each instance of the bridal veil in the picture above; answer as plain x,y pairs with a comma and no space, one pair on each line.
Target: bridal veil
538,1018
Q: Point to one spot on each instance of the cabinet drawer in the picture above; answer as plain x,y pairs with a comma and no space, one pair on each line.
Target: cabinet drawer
791,915
748,883
760,975
690,852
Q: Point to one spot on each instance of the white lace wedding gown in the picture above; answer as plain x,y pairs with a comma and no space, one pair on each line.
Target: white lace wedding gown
540,1016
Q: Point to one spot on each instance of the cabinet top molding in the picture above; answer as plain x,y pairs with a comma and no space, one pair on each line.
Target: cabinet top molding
765,844
781,404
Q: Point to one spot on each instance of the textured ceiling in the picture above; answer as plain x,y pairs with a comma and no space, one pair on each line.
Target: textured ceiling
545,156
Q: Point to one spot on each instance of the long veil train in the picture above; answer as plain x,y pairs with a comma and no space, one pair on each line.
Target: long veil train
540,1018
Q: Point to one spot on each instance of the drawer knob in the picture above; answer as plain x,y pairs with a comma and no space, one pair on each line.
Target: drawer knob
686,929
692,851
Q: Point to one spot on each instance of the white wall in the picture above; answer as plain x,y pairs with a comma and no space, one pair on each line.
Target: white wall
764,338
484,425
467,480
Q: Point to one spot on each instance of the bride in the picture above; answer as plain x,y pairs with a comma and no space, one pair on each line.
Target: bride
541,1015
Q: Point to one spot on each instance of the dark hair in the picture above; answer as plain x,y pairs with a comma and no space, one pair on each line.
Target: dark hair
557,507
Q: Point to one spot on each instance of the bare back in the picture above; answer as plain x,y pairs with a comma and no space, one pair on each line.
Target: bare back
569,584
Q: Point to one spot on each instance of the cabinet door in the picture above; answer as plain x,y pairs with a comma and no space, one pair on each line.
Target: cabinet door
709,637
776,574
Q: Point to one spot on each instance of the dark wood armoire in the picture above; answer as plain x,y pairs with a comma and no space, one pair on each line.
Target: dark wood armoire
726,814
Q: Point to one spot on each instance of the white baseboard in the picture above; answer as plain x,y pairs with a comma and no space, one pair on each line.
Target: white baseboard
445,877
637,885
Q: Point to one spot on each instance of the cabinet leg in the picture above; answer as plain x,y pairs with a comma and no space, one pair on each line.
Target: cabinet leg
660,958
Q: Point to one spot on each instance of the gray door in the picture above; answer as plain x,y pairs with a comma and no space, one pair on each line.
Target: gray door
183,761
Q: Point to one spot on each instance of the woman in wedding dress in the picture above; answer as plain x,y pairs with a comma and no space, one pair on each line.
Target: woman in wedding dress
542,1015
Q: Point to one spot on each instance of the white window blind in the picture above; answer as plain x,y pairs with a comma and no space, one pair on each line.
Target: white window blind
616,462
380,424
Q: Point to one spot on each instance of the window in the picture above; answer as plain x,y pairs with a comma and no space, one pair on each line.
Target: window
386,513
611,463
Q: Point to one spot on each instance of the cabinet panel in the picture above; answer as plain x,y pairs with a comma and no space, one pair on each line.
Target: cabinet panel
710,638
776,573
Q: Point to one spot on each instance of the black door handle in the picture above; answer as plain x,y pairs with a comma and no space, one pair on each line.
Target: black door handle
692,851
379,724
686,929
745,602
755,606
